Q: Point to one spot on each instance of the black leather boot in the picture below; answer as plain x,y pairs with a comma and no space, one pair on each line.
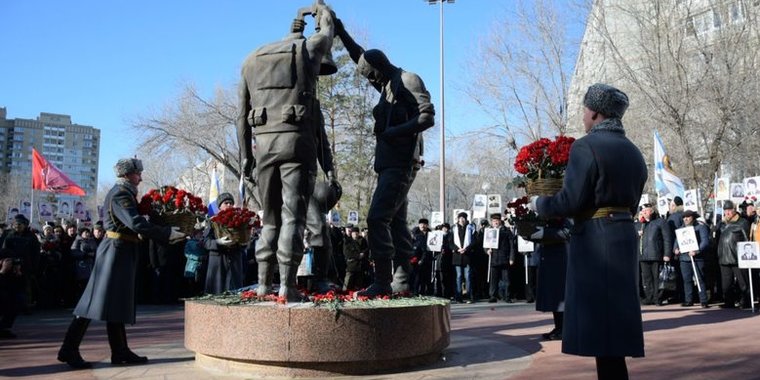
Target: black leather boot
382,284
120,352
320,284
69,352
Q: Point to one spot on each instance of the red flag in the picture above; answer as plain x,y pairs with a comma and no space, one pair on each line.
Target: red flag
46,177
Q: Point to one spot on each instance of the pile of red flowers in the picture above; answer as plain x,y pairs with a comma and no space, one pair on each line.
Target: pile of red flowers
235,217
170,200
544,158
332,296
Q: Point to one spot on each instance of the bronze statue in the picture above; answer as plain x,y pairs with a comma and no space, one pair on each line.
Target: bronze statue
403,112
278,104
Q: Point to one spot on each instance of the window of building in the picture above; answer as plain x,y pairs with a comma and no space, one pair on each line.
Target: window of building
736,13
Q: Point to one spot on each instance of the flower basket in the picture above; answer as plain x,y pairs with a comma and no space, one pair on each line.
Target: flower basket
543,164
239,235
543,186
184,220
169,206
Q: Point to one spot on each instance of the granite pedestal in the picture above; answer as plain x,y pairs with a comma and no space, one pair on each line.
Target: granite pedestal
303,340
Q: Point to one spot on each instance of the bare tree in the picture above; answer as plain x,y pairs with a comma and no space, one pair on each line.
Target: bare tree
520,75
189,131
692,67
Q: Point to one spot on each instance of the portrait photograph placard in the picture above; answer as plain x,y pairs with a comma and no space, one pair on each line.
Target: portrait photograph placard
750,186
524,245
494,204
353,217
479,206
436,218
722,190
644,199
663,205
747,252
491,238
687,239
435,241
691,200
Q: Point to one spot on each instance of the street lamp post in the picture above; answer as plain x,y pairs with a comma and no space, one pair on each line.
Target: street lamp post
442,174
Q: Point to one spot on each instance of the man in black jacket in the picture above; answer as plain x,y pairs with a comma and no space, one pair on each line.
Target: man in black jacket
500,259
731,230
655,244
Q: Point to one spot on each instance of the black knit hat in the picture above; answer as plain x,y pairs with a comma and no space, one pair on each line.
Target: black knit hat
423,221
678,201
223,197
607,100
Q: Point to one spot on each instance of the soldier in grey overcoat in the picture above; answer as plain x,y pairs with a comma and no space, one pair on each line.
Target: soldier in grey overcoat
605,177
110,292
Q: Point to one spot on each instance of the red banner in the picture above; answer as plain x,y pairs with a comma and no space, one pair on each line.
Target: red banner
46,177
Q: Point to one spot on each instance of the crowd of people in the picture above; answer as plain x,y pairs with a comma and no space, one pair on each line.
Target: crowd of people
49,267
714,273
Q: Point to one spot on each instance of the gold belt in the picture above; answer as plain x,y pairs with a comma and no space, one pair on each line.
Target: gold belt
121,236
604,212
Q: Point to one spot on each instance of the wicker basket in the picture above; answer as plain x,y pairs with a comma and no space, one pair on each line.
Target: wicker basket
184,220
239,236
543,186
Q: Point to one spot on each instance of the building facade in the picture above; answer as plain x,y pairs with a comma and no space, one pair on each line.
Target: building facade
71,147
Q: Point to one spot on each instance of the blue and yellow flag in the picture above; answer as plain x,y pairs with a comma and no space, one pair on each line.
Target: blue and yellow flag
213,193
665,180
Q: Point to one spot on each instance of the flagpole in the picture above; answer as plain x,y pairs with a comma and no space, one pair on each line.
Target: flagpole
31,211
31,207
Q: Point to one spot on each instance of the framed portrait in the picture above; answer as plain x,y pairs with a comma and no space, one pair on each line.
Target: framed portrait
435,241
436,218
353,217
524,245
491,238
687,239
691,200
747,252
494,204
479,206
722,190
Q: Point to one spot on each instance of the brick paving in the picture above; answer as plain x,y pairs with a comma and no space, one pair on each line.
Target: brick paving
488,341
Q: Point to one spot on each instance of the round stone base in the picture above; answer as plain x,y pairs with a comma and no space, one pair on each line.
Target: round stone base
303,340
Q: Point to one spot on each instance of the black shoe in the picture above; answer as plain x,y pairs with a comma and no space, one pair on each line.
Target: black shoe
547,336
73,359
509,300
530,300
128,357
469,301
705,305
7,334
660,303
727,306
687,304
492,300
